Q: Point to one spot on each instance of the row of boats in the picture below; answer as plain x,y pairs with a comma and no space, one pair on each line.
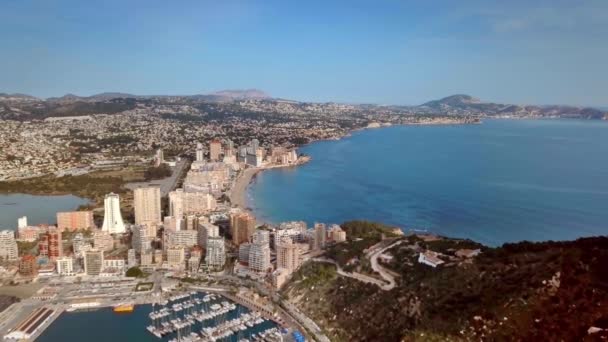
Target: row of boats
236,326
178,317
163,325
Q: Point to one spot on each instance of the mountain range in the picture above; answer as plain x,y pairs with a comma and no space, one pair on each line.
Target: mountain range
22,106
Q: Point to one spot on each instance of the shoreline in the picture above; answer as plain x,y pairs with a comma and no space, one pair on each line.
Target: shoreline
238,193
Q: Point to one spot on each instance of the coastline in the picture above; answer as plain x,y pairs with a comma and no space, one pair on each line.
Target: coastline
238,193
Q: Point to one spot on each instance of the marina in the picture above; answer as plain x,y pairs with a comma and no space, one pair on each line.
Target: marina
187,317
206,318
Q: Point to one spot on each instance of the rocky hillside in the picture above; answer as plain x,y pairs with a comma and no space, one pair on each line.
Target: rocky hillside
546,291
468,105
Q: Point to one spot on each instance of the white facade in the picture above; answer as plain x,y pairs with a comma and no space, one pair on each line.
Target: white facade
146,203
185,203
205,231
430,258
176,256
216,252
200,153
112,219
22,222
259,252
183,238
65,266
140,240
8,246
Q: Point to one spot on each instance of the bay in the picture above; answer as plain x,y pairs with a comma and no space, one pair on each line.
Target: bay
501,181
38,209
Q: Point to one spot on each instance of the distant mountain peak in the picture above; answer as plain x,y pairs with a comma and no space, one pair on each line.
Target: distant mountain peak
454,101
242,94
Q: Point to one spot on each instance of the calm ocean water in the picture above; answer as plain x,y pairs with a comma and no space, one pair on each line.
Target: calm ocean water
501,181
38,209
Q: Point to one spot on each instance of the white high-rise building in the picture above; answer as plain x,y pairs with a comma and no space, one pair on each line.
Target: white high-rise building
205,231
146,202
216,252
187,203
8,246
65,266
22,222
112,219
141,240
200,153
259,252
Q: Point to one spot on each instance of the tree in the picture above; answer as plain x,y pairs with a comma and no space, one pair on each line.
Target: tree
135,272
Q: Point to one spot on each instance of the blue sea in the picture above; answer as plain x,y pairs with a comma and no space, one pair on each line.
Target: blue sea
500,181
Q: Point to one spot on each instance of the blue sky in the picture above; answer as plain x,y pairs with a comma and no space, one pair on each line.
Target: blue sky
382,51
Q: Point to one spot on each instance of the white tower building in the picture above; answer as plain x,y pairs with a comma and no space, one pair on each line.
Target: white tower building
8,246
216,252
112,220
22,222
200,154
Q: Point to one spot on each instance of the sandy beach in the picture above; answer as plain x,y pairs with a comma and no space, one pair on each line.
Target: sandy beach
238,193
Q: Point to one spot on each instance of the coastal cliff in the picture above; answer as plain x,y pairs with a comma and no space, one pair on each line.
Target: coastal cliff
523,291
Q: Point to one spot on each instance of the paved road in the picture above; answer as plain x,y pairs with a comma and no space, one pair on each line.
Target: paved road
166,184
354,275
381,270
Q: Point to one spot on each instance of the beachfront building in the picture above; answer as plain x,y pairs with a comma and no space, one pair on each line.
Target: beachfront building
210,178
146,203
112,218
74,220
8,246
282,156
242,227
